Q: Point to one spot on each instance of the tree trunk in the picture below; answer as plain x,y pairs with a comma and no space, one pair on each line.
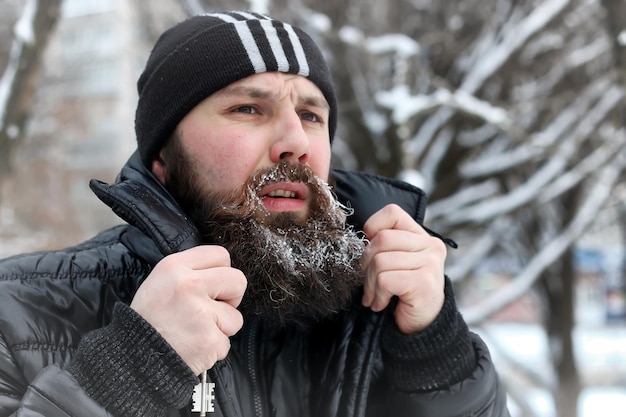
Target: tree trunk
569,380
560,325
21,76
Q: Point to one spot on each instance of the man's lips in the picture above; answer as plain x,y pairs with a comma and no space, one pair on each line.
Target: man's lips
284,196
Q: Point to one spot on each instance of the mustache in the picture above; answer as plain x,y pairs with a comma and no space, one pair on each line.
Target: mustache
245,201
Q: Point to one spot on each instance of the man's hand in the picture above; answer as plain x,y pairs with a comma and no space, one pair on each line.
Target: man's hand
403,260
191,299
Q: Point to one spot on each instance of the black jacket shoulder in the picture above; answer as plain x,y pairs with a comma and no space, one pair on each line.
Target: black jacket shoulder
367,193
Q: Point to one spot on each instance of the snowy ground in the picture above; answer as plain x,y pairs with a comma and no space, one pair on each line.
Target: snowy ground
601,357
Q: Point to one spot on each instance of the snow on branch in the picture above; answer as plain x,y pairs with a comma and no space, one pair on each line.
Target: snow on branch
587,212
575,58
493,164
24,28
427,131
497,56
466,196
539,142
519,197
435,155
24,33
544,175
493,58
404,106
398,43
613,142
581,56
479,250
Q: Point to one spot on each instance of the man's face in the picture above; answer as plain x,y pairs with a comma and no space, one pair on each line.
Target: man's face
255,123
249,166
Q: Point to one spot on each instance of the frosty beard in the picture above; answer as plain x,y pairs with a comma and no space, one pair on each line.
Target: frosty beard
299,270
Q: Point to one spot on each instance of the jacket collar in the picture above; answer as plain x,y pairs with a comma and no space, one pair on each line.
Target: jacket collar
141,200
366,193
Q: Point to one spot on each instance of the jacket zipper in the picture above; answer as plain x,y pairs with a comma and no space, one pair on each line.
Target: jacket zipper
252,369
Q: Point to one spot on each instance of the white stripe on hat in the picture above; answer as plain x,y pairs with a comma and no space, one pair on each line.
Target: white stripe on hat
252,49
299,50
247,40
277,47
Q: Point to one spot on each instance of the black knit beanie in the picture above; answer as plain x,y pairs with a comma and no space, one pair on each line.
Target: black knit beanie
204,54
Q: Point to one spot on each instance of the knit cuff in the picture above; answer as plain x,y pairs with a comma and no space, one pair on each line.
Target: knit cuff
130,369
437,357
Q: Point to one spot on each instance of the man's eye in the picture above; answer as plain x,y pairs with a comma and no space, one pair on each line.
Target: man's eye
311,117
246,109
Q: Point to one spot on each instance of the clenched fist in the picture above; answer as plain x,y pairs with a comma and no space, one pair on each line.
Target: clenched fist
403,260
191,299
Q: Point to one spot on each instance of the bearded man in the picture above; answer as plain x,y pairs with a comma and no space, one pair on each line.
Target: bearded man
240,263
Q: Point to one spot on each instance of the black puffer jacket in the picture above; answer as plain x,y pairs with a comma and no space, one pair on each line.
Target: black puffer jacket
70,346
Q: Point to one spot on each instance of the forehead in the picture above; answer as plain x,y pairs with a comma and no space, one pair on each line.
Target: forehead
275,85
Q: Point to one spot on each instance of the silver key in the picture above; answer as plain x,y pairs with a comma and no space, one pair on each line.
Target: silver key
203,396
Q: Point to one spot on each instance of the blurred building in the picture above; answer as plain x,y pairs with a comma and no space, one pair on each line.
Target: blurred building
88,88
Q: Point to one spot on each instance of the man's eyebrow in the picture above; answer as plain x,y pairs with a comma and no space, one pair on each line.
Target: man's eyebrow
317,101
255,92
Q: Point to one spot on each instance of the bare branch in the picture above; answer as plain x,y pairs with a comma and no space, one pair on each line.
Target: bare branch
514,39
603,182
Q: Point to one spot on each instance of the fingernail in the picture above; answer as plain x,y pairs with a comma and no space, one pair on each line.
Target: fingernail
365,301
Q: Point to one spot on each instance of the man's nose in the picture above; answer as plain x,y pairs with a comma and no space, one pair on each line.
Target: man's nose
292,142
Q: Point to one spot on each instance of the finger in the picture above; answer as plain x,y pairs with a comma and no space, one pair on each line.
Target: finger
393,261
224,284
214,345
389,284
391,216
396,240
202,257
427,260
228,319
382,263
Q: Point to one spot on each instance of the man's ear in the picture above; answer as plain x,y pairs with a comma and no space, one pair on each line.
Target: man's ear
158,168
